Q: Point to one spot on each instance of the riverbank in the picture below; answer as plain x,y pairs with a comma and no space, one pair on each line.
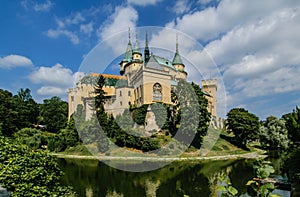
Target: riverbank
252,155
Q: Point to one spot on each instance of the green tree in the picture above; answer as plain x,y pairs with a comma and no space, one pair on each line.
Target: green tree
27,109
204,117
29,173
24,95
243,124
273,134
292,122
8,113
54,114
190,113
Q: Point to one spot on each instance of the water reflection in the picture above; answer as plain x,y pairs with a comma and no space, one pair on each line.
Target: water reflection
93,178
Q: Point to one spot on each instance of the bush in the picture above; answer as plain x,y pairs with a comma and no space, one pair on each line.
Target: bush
29,173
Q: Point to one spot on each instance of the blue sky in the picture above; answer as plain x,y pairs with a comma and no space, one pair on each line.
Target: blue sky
254,44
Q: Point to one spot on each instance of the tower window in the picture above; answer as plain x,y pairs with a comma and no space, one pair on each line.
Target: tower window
129,93
120,93
157,92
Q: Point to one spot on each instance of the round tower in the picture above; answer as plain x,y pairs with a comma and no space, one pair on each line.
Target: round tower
177,62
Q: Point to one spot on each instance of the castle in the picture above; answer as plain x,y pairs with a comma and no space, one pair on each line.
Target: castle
143,79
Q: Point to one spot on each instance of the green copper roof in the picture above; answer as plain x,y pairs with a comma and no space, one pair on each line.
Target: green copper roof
128,53
136,48
177,58
163,61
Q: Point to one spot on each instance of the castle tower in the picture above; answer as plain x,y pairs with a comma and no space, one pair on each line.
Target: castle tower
146,50
177,62
128,55
136,53
210,87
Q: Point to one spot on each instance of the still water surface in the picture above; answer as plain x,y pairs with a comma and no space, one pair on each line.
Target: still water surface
94,178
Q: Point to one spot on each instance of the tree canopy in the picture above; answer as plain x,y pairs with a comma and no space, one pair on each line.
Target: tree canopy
54,114
29,173
273,134
243,125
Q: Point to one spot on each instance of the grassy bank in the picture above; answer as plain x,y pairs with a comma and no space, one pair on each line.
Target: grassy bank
216,145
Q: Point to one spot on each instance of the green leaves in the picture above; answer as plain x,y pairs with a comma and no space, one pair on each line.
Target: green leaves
54,114
29,173
243,124
226,187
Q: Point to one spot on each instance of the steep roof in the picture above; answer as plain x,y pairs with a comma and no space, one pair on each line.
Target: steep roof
177,58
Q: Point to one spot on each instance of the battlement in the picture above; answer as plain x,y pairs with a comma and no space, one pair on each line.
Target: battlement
209,82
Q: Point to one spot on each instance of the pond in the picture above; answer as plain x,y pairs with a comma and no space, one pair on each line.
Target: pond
94,178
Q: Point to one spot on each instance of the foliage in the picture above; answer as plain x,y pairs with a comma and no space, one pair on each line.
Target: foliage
243,124
257,187
100,95
204,117
190,113
32,137
139,114
273,134
29,173
17,112
292,122
91,132
161,112
54,114
226,187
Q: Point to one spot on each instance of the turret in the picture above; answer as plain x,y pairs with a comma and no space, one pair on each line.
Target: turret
136,53
177,62
146,50
127,56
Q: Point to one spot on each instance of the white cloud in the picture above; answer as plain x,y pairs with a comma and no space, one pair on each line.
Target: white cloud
254,43
38,7
181,6
43,7
204,2
122,19
12,61
51,91
212,22
87,28
55,80
143,2
55,33
64,24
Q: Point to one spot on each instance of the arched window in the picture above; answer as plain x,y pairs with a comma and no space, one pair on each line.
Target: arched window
157,92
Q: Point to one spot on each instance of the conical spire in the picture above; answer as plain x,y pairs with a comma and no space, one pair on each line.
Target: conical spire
136,48
146,50
128,53
177,58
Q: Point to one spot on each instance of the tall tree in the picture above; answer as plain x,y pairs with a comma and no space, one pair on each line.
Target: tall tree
293,125
8,113
27,109
204,116
190,112
24,95
243,124
54,114
273,134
